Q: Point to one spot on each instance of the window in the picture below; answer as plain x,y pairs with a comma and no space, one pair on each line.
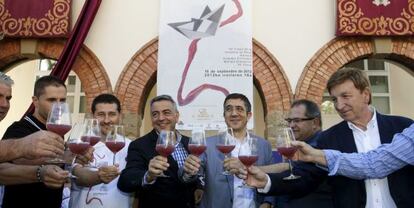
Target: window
75,94
378,75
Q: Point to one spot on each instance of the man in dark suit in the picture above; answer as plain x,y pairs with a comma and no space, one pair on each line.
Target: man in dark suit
145,166
363,129
305,120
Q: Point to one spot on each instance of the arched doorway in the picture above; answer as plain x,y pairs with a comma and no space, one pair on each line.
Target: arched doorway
340,52
87,67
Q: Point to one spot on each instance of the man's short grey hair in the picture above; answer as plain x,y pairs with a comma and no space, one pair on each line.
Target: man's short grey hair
164,97
5,79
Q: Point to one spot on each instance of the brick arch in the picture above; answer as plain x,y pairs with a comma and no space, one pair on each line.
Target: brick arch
87,66
326,61
139,76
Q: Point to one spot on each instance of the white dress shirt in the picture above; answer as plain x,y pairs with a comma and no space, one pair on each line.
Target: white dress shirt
242,197
377,190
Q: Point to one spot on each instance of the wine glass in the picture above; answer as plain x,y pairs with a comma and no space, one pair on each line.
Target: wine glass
115,139
197,144
75,143
58,121
165,145
91,134
248,154
92,131
284,138
226,143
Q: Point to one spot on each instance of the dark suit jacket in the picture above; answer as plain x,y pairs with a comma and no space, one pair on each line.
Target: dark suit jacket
320,198
350,193
165,192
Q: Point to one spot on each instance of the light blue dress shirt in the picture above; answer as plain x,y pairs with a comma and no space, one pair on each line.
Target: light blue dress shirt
376,163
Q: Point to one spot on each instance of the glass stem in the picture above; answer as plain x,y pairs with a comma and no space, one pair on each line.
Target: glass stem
290,167
113,162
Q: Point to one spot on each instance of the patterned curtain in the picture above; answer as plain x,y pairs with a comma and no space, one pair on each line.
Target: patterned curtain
375,17
35,18
75,42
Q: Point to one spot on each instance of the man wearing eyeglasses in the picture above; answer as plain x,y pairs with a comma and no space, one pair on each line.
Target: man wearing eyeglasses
305,120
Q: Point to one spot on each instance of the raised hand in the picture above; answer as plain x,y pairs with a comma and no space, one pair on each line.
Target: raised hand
307,153
233,165
41,144
156,167
108,173
192,165
86,157
53,176
257,178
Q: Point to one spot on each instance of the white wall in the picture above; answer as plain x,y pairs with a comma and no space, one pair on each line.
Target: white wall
293,31
402,101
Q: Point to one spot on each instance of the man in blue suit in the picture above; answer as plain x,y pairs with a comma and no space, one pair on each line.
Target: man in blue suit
362,130
222,190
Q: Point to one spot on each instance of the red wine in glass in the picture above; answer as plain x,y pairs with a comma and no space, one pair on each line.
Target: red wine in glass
196,150
165,145
288,152
248,160
225,149
92,131
114,146
78,148
226,143
248,154
115,139
164,150
60,129
58,121
284,138
91,139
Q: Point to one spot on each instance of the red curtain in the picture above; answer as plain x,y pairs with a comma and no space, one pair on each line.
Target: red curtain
375,17
75,42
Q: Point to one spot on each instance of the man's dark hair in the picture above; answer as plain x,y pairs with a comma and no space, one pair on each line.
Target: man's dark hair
242,97
357,76
46,81
311,108
107,99
164,97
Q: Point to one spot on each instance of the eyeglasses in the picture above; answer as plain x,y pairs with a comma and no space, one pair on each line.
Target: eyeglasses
297,120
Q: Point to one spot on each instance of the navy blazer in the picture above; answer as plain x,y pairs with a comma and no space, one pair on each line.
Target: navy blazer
165,192
346,192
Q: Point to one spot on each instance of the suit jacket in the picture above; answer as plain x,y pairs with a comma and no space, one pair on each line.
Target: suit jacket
346,192
218,190
165,192
320,198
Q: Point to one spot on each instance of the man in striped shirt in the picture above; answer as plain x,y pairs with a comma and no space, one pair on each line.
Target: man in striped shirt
377,163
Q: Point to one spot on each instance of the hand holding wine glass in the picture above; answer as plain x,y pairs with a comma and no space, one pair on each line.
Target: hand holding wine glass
196,147
248,154
115,139
58,121
284,139
226,143
75,143
165,146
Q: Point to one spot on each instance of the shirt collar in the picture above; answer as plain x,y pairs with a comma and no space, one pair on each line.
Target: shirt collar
371,124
